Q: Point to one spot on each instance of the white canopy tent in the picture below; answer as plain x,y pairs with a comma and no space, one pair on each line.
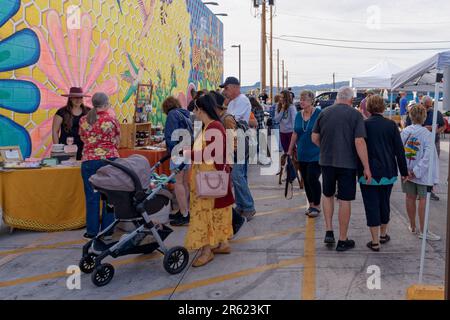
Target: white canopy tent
424,77
377,77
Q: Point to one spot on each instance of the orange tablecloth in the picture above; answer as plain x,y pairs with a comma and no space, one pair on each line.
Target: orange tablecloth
153,156
48,199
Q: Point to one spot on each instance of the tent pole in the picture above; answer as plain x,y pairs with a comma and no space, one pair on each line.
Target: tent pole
447,256
430,182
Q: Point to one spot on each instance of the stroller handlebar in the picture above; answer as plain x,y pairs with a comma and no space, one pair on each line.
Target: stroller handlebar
165,158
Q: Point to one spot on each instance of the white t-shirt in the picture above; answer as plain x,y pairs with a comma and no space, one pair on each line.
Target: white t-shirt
240,108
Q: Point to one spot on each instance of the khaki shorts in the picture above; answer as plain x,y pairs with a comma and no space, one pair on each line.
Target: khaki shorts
415,189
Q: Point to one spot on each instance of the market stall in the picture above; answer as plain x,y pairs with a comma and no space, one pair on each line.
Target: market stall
153,156
46,199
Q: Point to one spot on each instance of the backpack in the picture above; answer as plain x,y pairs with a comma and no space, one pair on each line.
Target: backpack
188,124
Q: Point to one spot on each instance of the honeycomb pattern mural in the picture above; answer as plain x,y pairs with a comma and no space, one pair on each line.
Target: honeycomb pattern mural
101,45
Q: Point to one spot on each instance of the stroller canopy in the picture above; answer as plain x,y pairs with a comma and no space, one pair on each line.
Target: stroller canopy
112,178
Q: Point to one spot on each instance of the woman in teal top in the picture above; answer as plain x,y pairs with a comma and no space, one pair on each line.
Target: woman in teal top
307,152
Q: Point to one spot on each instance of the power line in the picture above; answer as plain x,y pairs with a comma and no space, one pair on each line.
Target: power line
365,22
360,48
363,41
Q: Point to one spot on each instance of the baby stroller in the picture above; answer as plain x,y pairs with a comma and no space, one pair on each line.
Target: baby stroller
127,186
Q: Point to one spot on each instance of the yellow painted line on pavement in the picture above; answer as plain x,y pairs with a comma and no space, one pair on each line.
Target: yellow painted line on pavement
309,267
214,280
33,248
43,247
138,259
61,274
12,254
280,196
283,210
270,235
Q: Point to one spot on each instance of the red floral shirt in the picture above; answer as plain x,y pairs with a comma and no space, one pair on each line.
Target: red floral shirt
101,140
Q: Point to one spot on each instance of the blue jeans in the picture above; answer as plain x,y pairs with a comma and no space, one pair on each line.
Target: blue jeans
88,169
244,199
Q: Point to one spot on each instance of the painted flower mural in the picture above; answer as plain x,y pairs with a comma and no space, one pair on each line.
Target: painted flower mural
19,50
68,67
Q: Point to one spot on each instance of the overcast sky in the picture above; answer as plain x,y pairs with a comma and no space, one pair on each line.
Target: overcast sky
399,20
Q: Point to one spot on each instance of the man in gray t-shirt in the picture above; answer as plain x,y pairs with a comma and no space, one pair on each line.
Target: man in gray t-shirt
340,132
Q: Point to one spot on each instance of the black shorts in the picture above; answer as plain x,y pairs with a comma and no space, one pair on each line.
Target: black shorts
345,179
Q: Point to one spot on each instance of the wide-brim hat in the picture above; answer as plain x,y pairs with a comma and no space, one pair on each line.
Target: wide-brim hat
75,92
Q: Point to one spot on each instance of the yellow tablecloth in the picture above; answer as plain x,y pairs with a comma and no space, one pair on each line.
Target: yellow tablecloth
47,199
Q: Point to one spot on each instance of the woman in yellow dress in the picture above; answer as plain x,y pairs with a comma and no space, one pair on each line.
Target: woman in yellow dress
210,224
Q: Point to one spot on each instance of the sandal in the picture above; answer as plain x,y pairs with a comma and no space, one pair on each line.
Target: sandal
203,259
226,249
385,239
373,246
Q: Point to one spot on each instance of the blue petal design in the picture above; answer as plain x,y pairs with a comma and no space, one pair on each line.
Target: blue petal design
19,50
8,9
12,134
19,96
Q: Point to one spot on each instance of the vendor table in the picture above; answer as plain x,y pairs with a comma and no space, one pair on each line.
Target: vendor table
153,156
47,199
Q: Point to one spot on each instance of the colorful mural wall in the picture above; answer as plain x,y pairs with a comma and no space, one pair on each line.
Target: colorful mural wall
48,46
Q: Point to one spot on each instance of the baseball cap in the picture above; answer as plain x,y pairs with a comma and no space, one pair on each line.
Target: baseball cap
230,80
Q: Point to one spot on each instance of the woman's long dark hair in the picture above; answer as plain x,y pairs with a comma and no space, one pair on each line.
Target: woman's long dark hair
255,104
287,100
68,116
208,104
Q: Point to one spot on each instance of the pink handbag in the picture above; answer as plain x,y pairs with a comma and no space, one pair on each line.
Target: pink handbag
212,184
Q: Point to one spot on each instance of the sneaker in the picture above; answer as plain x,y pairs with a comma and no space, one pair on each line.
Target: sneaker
345,245
175,216
238,226
180,221
88,236
434,197
430,236
329,238
265,161
249,215
313,212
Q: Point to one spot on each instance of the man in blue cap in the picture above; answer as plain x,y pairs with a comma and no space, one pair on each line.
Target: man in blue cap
240,107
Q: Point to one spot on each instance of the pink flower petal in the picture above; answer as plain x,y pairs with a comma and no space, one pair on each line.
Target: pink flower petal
56,34
98,64
48,65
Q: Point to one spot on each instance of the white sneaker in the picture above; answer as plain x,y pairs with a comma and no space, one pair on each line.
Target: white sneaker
430,236
264,160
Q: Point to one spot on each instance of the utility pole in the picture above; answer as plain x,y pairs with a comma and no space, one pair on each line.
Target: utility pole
271,54
282,75
334,81
287,79
263,46
278,71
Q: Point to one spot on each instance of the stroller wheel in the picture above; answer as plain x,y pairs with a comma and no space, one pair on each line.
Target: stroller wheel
87,263
176,259
102,274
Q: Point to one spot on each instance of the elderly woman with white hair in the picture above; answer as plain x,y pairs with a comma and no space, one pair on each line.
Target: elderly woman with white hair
307,152
100,133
